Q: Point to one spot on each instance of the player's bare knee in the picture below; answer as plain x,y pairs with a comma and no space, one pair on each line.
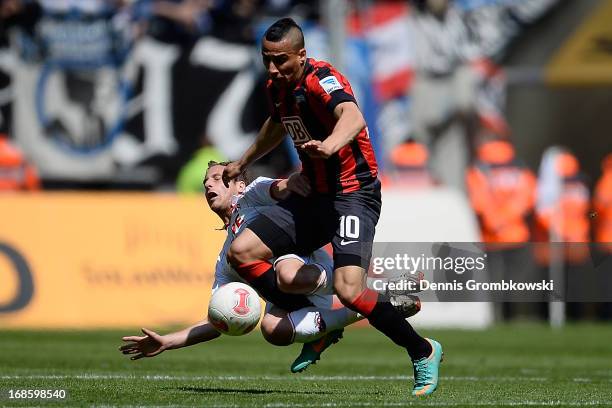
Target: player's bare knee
285,281
288,276
286,271
277,330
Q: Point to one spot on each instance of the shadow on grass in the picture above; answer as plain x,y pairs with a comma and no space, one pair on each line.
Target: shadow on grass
254,391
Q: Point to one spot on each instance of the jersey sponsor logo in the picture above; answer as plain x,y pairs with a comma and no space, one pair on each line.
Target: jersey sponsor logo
343,242
296,129
330,84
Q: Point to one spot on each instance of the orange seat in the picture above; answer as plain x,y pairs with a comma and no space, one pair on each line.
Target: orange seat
15,172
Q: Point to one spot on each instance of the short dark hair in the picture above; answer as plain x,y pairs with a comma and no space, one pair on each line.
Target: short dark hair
244,176
277,31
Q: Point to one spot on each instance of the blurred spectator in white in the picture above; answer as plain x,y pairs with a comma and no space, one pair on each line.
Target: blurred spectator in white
562,227
408,167
602,206
443,94
15,172
563,201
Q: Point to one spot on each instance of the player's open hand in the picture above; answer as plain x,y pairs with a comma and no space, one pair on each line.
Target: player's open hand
316,149
149,345
230,172
299,184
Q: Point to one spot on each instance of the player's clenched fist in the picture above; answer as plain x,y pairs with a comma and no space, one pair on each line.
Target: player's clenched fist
231,171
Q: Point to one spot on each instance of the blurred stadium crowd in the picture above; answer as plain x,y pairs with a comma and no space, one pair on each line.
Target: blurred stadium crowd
141,94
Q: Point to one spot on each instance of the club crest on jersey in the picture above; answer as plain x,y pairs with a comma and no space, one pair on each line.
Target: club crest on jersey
296,129
330,84
237,224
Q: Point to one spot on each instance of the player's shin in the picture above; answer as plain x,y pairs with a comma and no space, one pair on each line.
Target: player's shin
311,323
387,319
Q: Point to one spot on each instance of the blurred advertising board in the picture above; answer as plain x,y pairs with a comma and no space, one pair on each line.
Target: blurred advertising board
71,260
100,260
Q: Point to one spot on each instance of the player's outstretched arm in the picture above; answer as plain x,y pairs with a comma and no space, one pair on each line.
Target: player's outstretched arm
270,135
350,123
152,343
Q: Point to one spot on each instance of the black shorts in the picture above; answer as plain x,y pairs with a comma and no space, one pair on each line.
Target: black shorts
301,225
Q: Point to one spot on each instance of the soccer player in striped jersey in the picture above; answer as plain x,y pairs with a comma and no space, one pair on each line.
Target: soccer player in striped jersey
314,103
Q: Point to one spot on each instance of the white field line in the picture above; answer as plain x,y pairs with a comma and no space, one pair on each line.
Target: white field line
280,378
394,404
257,377
445,404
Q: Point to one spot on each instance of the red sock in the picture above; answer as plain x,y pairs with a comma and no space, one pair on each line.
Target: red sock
253,270
365,302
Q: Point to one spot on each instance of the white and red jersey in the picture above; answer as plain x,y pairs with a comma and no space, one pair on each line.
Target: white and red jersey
245,208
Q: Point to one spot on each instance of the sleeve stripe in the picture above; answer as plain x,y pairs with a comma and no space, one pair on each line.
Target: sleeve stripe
337,97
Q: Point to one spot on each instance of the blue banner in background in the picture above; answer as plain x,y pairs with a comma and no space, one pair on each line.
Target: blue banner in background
97,106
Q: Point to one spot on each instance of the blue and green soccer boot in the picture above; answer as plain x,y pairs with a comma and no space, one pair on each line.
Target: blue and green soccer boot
311,352
426,371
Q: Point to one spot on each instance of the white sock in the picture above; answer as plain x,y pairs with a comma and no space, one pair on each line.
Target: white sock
311,323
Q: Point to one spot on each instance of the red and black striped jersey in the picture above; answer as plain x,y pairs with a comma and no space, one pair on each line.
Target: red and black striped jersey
306,112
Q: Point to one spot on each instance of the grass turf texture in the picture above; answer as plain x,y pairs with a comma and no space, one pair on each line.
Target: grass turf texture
505,366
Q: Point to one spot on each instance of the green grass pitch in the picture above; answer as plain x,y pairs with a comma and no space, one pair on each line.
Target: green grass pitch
516,365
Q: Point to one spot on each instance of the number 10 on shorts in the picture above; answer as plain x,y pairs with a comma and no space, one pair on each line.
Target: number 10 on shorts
349,226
